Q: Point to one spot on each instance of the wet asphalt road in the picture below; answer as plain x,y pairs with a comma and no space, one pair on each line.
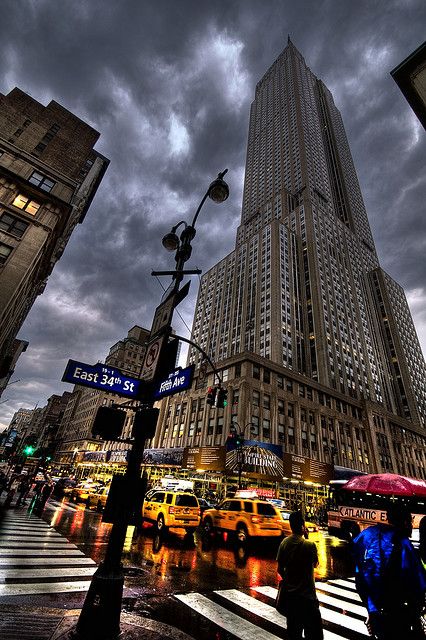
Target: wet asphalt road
158,566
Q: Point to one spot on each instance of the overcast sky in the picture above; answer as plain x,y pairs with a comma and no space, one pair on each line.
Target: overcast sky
168,84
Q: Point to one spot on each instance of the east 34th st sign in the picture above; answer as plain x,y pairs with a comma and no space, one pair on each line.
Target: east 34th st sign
103,377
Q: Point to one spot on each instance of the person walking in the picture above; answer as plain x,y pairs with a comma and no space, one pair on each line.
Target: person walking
297,557
390,578
422,541
44,495
22,490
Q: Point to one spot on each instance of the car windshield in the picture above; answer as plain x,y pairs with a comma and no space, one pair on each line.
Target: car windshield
186,500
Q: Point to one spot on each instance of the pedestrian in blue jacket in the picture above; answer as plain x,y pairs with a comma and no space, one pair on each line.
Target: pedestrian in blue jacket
390,578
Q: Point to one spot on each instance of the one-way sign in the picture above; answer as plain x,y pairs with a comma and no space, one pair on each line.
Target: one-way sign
103,377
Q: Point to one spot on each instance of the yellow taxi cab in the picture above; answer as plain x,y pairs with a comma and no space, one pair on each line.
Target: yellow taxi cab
285,523
81,492
245,517
172,509
98,498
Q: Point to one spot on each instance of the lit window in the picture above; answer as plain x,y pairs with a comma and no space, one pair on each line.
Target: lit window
5,252
42,181
22,202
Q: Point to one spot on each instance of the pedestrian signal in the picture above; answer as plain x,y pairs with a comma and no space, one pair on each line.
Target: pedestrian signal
108,423
145,423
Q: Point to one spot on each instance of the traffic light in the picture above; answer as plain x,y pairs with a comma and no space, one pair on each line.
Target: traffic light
108,423
211,395
239,440
28,450
221,398
145,423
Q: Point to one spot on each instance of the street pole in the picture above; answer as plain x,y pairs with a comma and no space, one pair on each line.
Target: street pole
100,615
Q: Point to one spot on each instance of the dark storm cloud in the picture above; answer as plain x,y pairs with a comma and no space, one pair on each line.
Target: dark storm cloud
168,84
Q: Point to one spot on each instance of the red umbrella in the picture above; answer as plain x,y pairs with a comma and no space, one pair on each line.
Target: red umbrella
387,484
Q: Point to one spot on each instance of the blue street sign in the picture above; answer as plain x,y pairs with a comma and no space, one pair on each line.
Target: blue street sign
178,380
103,377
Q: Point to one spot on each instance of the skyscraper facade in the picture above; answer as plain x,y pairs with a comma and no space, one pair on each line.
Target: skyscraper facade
49,174
316,341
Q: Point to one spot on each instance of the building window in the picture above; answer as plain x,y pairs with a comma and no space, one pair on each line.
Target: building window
266,401
256,371
45,183
238,370
13,225
24,203
256,398
5,252
266,376
280,381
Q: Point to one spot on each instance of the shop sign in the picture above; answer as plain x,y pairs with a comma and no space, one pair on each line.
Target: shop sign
204,458
118,456
306,469
166,457
95,456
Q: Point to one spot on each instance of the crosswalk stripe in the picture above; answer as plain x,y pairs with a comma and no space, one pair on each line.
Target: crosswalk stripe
43,587
50,572
36,559
263,610
41,552
329,615
30,561
331,588
344,583
240,628
271,592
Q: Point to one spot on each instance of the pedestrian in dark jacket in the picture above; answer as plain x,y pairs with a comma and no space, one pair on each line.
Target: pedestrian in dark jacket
297,557
390,578
22,490
422,540
45,493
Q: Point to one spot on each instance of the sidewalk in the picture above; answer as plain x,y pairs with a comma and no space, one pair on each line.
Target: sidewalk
42,623
25,622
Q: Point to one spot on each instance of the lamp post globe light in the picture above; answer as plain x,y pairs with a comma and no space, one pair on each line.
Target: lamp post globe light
100,616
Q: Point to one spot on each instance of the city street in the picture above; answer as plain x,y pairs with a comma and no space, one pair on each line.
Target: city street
208,588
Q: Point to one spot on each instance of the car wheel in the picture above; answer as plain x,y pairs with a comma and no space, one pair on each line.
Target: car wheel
242,533
99,507
161,525
208,527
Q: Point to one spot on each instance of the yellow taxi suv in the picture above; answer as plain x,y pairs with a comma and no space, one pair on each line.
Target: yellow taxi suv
172,509
98,499
244,517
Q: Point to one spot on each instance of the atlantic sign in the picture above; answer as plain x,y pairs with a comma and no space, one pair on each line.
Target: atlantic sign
178,380
103,377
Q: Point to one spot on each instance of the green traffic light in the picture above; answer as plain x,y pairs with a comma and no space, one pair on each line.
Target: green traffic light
29,450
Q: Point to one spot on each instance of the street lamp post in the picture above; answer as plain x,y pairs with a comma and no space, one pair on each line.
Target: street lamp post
100,616
239,434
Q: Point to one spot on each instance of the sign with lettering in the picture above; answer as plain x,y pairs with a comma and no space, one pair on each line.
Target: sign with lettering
359,513
205,458
306,469
103,377
178,380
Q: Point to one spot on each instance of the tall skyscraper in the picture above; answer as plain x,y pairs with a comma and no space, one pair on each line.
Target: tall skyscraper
316,341
49,174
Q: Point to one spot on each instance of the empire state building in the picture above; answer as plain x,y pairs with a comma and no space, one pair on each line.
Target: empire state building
315,341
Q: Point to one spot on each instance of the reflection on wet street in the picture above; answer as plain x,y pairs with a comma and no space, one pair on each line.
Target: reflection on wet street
176,562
